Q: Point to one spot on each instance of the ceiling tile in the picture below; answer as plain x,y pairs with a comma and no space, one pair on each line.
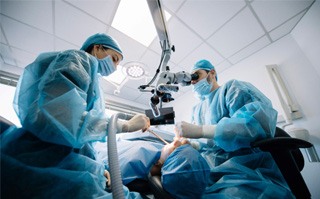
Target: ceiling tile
107,87
132,50
126,92
60,45
102,10
274,13
155,45
34,13
223,66
1,59
129,93
144,99
205,17
2,38
23,58
25,37
73,25
236,34
249,50
202,52
6,55
172,6
176,30
152,61
11,69
134,84
285,28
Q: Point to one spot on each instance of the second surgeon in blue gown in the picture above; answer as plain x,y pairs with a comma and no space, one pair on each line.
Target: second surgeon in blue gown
61,109
230,117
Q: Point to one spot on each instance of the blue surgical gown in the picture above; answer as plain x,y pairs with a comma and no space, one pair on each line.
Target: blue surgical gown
242,114
61,109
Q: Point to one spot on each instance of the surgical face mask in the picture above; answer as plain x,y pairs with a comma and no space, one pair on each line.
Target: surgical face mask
202,87
106,66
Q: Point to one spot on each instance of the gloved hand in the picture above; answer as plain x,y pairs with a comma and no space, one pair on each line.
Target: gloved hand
185,129
167,150
184,141
139,121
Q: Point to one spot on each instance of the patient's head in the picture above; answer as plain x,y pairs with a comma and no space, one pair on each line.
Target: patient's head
185,173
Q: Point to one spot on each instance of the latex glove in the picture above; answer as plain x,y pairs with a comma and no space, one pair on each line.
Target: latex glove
167,150
183,140
138,122
185,129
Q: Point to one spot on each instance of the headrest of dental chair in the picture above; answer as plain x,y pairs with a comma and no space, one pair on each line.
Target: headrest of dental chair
151,186
156,187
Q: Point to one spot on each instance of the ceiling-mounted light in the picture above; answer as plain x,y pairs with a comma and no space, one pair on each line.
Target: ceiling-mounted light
134,70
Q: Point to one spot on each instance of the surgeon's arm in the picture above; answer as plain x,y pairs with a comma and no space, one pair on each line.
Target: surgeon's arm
251,118
185,129
71,102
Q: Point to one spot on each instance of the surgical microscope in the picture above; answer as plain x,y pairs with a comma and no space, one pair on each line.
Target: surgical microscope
167,81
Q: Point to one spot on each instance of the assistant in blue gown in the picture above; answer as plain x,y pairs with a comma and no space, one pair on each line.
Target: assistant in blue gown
240,114
61,109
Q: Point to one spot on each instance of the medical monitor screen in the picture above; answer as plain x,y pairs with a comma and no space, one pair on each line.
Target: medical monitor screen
166,116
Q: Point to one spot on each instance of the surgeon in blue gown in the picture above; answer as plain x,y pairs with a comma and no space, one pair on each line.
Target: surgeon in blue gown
61,108
230,117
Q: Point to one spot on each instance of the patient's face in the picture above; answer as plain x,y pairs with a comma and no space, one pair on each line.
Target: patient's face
166,151
175,144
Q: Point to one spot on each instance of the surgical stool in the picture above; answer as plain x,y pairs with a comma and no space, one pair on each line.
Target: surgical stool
287,155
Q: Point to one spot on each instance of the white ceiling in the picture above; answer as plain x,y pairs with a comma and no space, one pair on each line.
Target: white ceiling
223,31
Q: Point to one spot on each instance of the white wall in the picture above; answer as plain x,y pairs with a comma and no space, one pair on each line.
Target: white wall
298,58
307,34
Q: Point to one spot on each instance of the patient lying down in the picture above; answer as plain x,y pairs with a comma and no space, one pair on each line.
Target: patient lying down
184,172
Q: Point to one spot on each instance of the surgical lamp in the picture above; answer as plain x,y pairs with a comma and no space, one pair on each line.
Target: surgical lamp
134,70
166,83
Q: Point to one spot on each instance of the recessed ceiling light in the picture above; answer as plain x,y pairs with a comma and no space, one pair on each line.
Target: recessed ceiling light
134,19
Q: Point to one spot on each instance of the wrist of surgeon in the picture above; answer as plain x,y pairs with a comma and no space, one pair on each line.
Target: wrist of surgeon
188,130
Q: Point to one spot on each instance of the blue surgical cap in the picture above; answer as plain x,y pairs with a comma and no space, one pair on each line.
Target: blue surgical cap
185,173
102,39
204,65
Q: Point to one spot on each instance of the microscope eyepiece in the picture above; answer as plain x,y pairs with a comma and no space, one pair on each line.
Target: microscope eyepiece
194,76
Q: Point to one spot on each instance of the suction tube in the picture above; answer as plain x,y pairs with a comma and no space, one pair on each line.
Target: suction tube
116,182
